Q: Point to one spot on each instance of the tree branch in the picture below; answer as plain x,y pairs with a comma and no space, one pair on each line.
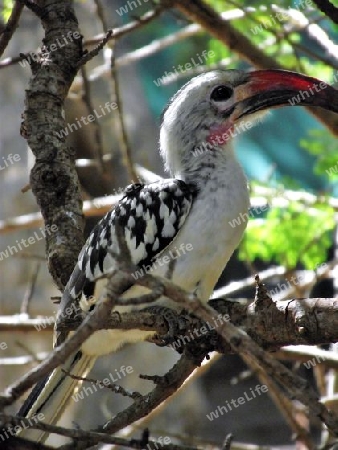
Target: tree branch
328,9
253,355
53,178
306,321
87,438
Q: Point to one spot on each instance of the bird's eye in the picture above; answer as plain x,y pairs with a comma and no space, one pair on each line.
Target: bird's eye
221,93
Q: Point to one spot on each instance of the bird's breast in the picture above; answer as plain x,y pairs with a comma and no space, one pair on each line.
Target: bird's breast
208,238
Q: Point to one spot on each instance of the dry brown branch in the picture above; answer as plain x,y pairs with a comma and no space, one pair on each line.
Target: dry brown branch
186,365
90,55
165,387
121,131
30,291
154,47
18,323
81,439
117,389
314,32
96,124
254,356
96,207
131,26
100,12
240,342
310,321
96,40
126,321
309,354
22,360
7,62
287,409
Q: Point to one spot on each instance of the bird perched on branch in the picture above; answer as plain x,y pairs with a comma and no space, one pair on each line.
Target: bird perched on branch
206,192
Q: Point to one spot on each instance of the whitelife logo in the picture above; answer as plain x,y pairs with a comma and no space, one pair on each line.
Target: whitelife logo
106,109
163,260
129,6
169,76
17,428
9,160
113,378
11,249
280,16
45,51
256,392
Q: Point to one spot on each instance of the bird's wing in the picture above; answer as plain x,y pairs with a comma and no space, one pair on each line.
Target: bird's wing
150,217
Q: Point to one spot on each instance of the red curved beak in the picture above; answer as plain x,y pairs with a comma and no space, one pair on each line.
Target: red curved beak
275,88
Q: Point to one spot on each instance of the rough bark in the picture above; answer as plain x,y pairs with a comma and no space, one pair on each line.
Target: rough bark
53,178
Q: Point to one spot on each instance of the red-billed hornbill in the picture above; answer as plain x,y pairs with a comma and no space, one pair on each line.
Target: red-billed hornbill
206,191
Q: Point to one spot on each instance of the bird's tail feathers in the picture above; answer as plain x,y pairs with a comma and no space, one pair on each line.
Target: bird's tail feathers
50,397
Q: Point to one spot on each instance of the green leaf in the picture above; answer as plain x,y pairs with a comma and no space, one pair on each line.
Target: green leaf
7,9
288,236
323,145
220,51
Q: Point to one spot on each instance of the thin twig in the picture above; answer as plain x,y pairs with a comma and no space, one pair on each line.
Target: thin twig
29,292
286,407
22,360
11,26
122,132
30,352
131,26
37,10
313,30
87,437
310,355
90,55
117,33
86,97
101,14
328,9
117,389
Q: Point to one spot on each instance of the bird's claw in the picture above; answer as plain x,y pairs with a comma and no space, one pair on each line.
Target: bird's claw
174,321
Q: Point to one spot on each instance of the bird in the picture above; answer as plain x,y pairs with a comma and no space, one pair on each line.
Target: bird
196,206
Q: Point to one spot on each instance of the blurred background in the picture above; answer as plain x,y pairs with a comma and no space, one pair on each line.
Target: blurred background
290,159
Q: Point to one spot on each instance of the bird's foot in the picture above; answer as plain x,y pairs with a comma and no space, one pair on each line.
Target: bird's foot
175,322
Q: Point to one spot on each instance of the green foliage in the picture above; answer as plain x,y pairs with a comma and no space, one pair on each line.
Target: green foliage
272,29
220,52
323,145
7,9
294,234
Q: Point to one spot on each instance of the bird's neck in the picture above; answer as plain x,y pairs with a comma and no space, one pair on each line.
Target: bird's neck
212,167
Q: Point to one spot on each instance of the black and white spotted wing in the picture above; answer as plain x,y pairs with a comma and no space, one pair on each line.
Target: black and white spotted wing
150,215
